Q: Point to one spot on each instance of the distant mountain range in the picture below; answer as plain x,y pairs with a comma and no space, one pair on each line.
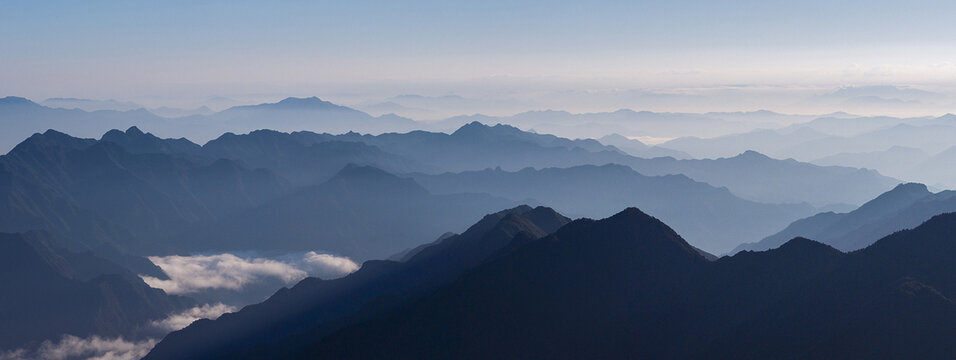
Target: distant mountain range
811,138
904,207
631,123
913,149
148,195
749,175
624,287
49,291
711,218
21,117
636,148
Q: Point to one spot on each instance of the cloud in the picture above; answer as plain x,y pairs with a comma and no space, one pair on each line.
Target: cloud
180,320
101,348
191,274
328,266
91,348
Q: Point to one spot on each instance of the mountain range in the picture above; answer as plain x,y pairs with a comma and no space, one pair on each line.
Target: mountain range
711,218
316,306
624,287
904,207
750,175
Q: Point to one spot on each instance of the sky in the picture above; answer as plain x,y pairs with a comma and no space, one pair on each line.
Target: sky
533,52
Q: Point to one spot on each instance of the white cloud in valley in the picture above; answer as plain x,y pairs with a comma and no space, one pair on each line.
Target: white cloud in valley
191,274
182,319
89,348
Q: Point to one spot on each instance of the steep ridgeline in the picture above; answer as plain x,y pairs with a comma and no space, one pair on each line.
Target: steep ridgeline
710,218
629,287
316,307
362,212
904,207
97,191
49,291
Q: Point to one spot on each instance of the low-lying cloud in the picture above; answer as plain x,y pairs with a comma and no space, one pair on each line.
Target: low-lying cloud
71,347
191,274
90,348
180,320
328,266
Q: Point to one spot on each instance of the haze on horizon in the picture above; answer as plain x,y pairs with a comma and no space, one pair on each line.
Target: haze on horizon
500,57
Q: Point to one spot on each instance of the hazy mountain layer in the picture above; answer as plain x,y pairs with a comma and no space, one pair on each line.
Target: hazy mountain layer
711,218
904,207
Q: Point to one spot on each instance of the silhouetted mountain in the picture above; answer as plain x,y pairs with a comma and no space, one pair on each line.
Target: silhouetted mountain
48,292
562,296
315,307
630,287
711,218
362,212
904,207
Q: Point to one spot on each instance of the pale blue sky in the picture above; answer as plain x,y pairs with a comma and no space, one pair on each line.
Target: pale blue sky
138,49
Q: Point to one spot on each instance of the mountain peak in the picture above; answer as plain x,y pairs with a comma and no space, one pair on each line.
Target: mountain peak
479,130
751,154
294,103
900,196
52,138
313,103
642,232
134,131
911,188
471,127
803,245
